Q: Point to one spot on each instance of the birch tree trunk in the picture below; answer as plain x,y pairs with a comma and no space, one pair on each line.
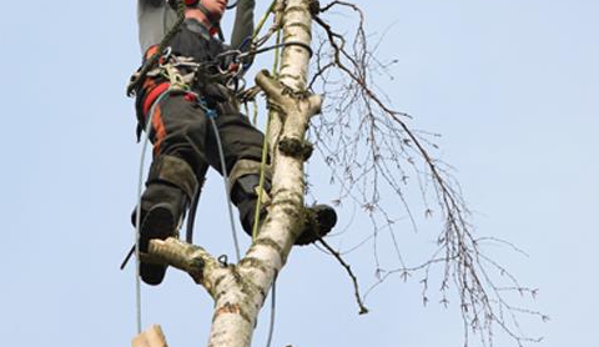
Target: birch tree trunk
240,290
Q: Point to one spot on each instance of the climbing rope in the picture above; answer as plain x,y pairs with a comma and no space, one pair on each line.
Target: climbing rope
273,303
264,154
192,213
138,208
211,114
262,21
273,308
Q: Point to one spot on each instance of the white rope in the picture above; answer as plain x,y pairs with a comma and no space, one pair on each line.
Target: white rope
227,185
138,208
273,308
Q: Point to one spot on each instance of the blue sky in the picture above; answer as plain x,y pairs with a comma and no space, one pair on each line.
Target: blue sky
511,85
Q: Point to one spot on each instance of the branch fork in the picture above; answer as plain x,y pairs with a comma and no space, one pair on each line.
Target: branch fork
296,109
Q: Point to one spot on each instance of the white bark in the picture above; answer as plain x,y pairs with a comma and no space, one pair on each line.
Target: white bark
239,290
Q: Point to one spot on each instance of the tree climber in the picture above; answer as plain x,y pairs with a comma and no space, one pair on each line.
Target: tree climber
184,143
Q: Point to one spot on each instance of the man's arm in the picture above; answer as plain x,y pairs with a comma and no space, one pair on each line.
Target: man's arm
244,24
153,3
152,16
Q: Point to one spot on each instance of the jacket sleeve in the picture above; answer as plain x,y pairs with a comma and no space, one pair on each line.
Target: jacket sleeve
153,3
244,24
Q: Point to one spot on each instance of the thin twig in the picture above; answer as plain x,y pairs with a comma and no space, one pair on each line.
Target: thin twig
333,252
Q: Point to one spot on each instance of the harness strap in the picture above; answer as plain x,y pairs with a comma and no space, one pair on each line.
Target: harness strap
153,95
150,52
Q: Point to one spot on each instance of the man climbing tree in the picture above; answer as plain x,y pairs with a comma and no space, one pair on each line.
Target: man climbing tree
190,81
187,92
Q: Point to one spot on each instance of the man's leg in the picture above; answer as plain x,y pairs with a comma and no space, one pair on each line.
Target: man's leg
242,147
178,134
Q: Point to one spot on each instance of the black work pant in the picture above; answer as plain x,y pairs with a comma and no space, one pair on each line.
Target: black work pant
181,128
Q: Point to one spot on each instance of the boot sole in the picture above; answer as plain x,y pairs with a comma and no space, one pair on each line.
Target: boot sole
326,218
158,224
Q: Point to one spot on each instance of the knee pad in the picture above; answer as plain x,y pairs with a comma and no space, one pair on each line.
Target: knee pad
245,182
175,171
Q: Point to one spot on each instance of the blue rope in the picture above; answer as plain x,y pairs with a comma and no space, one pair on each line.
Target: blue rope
212,114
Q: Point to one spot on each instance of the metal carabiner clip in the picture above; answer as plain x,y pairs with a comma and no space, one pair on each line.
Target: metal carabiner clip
222,71
165,56
235,84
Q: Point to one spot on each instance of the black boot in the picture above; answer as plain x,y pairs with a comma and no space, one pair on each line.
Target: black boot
170,185
320,219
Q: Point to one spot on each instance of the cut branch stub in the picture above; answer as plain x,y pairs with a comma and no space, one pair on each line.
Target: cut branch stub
296,148
297,108
289,100
153,337
275,90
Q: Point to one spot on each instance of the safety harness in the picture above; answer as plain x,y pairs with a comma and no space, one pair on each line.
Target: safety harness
201,68
151,60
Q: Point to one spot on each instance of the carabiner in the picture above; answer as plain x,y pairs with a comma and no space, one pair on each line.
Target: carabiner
165,56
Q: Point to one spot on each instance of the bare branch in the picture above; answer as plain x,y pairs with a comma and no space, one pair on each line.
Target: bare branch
198,263
370,149
333,252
